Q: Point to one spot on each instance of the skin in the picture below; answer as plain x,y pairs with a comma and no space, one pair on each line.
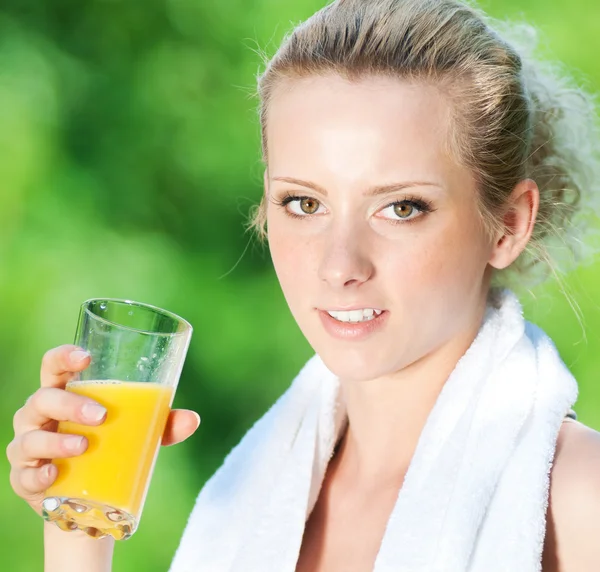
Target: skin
432,278
430,274
36,441
573,523
35,438
333,141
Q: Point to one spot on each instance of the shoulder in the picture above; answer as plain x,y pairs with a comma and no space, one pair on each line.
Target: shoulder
572,541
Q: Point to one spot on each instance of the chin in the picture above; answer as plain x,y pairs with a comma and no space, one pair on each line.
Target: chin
353,365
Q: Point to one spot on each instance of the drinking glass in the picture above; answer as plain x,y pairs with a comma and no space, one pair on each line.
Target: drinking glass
137,354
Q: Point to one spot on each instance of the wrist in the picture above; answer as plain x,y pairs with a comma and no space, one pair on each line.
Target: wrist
74,551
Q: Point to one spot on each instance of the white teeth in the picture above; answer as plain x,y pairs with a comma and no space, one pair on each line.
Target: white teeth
355,315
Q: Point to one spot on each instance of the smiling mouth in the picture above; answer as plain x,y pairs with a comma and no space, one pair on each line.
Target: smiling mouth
354,316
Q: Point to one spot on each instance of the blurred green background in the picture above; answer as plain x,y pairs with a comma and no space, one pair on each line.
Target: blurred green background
129,158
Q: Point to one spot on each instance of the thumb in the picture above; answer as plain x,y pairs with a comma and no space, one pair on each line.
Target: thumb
181,424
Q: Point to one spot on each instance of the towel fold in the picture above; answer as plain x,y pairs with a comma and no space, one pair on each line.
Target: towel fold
474,497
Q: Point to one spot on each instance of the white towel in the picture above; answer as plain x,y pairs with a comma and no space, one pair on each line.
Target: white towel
475,494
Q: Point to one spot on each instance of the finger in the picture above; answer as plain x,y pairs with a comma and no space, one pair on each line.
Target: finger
51,403
180,425
59,365
33,481
31,448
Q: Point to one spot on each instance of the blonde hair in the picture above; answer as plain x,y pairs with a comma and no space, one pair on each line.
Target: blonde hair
514,118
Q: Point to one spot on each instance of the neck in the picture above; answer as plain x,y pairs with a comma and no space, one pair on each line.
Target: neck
386,416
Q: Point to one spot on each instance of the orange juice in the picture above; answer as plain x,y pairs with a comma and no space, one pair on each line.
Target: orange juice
115,468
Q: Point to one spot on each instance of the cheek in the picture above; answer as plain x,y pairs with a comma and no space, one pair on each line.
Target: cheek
448,261
292,260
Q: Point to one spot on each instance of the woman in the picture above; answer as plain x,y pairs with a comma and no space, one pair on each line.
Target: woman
413,158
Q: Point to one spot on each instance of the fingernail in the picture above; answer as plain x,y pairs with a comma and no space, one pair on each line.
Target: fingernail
93,411
77,356
48,472
72,443
197,417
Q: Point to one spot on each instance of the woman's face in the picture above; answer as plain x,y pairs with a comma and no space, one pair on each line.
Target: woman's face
368,213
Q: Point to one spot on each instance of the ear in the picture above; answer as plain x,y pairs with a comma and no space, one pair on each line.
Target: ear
519,221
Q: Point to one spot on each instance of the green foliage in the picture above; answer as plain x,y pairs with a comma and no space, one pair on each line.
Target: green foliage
129,155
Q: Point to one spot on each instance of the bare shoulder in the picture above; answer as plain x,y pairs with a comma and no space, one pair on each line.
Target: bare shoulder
572,541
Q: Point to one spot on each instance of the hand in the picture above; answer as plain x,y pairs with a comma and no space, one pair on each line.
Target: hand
36,440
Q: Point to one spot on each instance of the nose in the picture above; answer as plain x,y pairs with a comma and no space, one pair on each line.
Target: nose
345,261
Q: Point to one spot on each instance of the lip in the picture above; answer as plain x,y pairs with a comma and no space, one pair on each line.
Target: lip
352,331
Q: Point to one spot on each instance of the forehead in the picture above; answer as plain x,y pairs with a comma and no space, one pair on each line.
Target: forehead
372,125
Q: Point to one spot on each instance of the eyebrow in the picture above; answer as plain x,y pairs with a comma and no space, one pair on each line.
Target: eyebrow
371,192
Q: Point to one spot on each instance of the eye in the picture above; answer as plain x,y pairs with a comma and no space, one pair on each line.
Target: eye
402,210
300,206
307,205
406,210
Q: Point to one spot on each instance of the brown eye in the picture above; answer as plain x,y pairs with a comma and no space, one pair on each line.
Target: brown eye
403,210
309,206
